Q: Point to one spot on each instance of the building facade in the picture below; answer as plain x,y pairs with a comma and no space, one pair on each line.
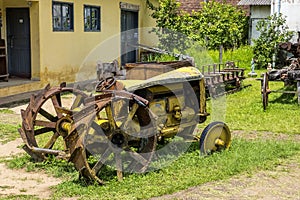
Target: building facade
290,9
54,41
259,9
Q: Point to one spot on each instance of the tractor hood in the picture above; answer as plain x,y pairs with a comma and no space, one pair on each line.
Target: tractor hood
183,74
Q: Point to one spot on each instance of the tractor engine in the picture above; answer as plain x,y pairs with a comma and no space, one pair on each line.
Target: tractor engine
175,105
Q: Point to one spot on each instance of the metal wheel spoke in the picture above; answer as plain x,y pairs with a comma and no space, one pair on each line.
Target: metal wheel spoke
97,127
77,101
56,100
47,115
139,158
102,160
52,141
45,124
131,114
119,165
43,130
110,117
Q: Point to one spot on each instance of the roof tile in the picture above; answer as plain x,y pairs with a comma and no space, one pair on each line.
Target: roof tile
255,2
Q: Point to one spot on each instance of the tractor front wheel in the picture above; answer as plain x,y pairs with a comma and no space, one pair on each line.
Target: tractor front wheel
215,137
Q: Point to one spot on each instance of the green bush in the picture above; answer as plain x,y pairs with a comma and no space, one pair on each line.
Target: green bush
273,31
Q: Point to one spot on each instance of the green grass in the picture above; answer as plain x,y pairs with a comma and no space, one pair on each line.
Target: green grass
244,110
187,171
6,111
243,54
54,167
8,132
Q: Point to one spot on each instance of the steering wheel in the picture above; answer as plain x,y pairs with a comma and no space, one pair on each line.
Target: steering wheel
105,84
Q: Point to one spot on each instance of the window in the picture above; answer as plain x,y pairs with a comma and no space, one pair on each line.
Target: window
91,18
62,14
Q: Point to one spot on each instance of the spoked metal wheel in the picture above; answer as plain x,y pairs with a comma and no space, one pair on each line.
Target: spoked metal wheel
215,137
44,118
120,136
265,91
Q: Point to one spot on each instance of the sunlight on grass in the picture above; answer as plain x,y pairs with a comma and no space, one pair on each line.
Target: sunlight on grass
6,111
244,111
189,170
8,132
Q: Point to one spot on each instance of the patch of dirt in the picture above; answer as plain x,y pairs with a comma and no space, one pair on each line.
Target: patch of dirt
20,182
11,148
254,135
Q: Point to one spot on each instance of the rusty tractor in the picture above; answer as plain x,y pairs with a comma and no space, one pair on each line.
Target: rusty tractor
123,124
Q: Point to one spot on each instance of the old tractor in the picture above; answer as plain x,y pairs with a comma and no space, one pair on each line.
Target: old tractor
125,124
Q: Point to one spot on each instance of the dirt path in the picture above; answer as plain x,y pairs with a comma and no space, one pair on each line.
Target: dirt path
20,182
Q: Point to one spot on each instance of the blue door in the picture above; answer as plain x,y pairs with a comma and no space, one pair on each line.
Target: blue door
18,42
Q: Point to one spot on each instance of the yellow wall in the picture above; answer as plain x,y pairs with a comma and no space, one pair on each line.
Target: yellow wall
71,56
64,54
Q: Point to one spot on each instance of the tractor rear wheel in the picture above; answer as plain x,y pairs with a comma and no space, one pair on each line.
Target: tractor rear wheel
44,117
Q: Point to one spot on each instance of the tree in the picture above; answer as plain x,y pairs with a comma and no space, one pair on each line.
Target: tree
273,31
221,24
172,24
214,25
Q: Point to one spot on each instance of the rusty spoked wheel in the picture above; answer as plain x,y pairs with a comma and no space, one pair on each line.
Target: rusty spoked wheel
44,118
215,137
105,84
265,91
118,137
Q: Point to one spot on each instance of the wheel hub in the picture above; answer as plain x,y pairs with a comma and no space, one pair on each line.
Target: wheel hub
118,139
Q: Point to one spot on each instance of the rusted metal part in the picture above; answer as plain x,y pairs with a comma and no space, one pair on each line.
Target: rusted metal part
37,121
90,140
291,79
223,75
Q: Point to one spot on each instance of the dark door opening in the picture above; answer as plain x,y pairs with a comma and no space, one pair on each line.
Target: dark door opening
129,36
18,42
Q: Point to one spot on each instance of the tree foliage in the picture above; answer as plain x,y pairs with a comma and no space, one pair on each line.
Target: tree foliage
221,24
171,23
273,31
214,25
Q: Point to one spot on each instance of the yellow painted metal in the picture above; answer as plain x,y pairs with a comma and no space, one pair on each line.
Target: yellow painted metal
166,88
216,136
176,101
170,131
219,142
168,80
66,126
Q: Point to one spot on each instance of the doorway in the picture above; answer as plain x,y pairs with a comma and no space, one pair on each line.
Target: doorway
129,36
18,42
